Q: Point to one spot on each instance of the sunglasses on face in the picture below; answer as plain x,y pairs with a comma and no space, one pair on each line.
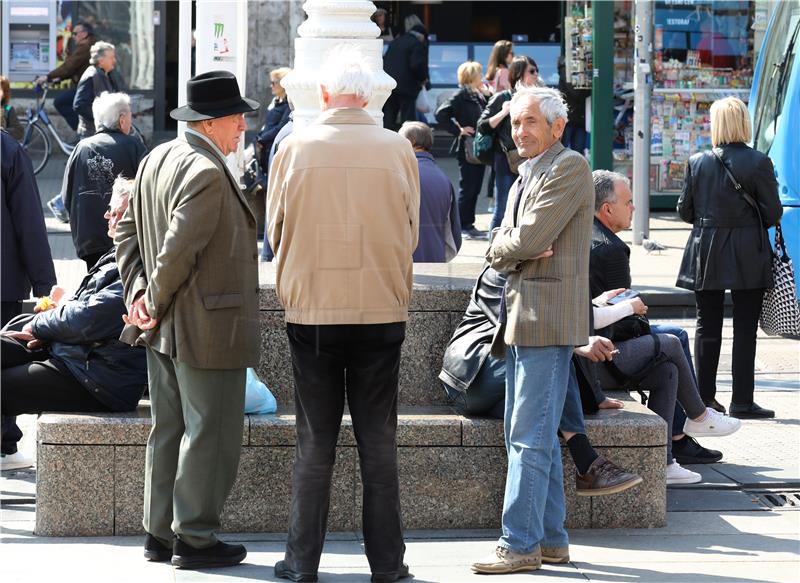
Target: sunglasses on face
533,71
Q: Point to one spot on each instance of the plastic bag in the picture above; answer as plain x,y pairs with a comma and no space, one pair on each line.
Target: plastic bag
258,400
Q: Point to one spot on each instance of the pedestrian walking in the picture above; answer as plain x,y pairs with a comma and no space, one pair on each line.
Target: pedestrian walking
91,170
343,207
95,80
406,61
188,258
546,314
729,249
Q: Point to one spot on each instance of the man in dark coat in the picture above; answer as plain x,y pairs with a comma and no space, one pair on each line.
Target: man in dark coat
91,170
72,68
68,357
609,268
406,61
95,80
26,259
439,224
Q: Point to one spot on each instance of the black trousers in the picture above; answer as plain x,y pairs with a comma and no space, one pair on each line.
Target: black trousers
469,187
33,383
361,363
397,110
708,340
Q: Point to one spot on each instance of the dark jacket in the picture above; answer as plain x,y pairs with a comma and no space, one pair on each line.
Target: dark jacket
83,335
439,223
728,247
76,62
502,132
465,106
471,343
26,258
93,82
406,61
609,261
276,117
88,179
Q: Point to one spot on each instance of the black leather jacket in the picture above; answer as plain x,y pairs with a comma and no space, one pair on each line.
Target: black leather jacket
471,343
728,247
502,132
609,261
465,106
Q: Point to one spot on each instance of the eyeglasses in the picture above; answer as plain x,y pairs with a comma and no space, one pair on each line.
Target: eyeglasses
533,71
274,82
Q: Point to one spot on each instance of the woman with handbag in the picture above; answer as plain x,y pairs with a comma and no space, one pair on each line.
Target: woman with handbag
657,363
495,120
459,116
730,195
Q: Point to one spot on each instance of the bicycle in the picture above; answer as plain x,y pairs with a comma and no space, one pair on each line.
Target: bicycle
35,140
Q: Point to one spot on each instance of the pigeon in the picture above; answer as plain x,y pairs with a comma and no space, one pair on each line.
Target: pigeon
650,245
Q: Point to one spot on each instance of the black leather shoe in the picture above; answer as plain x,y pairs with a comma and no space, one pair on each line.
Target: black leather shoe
155,551
282,571
716,405
751,411
389,577
220,555
688,451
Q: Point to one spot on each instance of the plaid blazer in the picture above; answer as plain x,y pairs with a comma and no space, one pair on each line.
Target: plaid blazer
547,299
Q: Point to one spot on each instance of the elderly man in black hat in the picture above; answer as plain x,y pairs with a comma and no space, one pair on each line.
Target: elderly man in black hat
187,255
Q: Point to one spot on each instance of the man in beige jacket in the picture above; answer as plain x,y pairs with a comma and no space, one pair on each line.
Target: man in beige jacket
343,207
546,315
188,259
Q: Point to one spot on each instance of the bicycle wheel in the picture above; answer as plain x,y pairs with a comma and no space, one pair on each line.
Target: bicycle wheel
36,144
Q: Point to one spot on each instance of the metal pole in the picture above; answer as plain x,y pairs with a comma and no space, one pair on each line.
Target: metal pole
184,53
642,88
602,85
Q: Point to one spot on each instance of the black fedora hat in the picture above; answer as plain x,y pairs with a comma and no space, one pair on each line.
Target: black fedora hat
211,95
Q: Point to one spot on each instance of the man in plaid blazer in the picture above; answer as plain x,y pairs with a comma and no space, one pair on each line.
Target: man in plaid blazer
543,246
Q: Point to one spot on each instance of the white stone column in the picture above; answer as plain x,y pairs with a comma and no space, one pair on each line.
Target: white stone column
331,23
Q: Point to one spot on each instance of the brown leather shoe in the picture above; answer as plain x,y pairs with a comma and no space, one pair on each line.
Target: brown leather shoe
555,555
503,561
603,478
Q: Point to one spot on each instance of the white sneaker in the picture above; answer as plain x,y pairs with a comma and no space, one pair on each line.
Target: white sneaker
680,475
14,461
714,425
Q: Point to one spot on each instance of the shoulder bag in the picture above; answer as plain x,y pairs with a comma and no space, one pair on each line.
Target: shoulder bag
780,311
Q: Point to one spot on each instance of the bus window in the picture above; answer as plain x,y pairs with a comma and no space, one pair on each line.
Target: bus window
778,57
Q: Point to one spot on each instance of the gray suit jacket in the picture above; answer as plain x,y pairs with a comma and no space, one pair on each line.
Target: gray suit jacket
547,300
189,239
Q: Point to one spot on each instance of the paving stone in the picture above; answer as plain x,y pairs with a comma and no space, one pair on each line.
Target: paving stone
686,500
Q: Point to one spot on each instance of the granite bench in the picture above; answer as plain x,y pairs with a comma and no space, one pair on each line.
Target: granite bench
452,468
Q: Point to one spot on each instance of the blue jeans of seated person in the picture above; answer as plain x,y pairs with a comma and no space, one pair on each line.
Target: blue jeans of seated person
487,393
537,379
680,415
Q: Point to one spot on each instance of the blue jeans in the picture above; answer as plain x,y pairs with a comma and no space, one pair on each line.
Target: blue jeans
503,179
680,416
534,511
574,137
63,105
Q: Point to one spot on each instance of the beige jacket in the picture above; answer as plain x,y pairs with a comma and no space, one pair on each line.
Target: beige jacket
343,210
547,300
189,239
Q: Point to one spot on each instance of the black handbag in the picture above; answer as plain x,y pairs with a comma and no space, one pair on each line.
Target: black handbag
627,328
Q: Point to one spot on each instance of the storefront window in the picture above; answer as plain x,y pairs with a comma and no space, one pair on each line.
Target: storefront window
128,25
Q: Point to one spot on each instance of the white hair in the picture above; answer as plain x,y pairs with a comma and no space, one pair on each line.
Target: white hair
346,73
108,107
98,50
550,101
123,187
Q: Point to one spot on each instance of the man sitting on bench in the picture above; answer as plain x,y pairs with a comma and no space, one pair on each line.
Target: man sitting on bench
67,357
475,385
